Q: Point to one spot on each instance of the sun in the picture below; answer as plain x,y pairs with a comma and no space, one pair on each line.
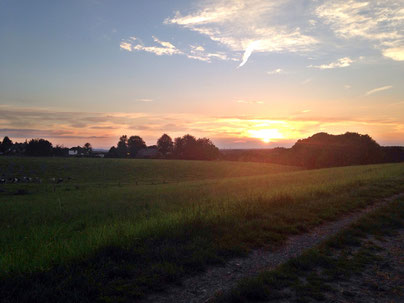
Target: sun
265,135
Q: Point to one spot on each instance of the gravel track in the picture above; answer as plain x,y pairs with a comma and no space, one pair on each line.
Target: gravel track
216,280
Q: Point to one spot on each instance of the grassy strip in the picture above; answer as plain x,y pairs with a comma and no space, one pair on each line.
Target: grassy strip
88,170
147,257
57,226
308,277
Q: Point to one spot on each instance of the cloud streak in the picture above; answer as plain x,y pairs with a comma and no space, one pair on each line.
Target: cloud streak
241,28
342,62
379,89
168,49
380,22
244,26
104,129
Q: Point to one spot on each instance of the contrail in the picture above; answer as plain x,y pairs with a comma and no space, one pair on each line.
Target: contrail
378,90
248,53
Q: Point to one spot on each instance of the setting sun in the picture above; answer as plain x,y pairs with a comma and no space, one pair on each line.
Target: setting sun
266,135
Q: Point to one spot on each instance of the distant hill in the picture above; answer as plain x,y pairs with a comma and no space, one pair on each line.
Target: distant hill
325,150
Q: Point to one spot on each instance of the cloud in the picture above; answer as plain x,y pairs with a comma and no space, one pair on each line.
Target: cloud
126,46
144,100
164,48
199,53
250,102
306,81
276,72
244,26
379,89
395,53
248,52
342,62
381,22
167,48
104,129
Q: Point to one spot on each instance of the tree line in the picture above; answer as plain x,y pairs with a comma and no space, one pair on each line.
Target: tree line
186,147
41,148
324,150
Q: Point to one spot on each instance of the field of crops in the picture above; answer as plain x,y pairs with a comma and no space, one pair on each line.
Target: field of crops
117,229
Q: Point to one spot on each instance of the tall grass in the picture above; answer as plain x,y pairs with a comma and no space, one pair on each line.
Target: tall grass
131,239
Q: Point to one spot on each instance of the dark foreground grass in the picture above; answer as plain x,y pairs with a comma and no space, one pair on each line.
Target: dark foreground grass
131,171
115,243
311,276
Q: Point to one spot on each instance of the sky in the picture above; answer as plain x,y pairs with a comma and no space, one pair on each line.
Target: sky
245,73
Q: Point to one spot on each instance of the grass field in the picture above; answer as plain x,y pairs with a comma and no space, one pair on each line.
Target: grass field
122,228
318,275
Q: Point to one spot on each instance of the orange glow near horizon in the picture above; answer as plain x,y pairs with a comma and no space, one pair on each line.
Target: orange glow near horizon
265,135
103,129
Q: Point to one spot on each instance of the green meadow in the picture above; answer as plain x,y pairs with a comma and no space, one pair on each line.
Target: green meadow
115,229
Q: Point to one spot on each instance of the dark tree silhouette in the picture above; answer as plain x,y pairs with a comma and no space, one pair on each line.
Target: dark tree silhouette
122,147
39,148
112,153
6,145
185,147
88,148
206,149
135,143
324,150
188,147
60,151
165,144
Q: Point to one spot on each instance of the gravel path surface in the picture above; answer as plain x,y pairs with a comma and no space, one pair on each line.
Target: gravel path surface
382,282
204,287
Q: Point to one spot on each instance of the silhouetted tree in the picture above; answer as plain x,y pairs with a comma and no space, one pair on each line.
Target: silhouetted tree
135,143
60,151
188,147
112,153
6,145
324,150
206,150
185,147
122,147
88,149
165,144
39,147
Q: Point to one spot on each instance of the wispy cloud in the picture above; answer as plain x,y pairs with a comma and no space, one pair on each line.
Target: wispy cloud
381,22
163,48
167,48
250,101
126,46
276,71
104,129
144,100
342,62
395,53
379,89
244,26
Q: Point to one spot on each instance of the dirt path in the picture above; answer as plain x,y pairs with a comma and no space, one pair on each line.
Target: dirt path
202,288
381,282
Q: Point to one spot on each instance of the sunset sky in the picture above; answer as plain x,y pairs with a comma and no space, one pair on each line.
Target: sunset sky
245,73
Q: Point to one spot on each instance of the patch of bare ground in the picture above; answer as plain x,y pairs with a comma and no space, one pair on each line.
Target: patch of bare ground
382,281
217,280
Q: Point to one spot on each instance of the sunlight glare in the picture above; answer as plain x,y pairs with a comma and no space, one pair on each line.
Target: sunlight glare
266,135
